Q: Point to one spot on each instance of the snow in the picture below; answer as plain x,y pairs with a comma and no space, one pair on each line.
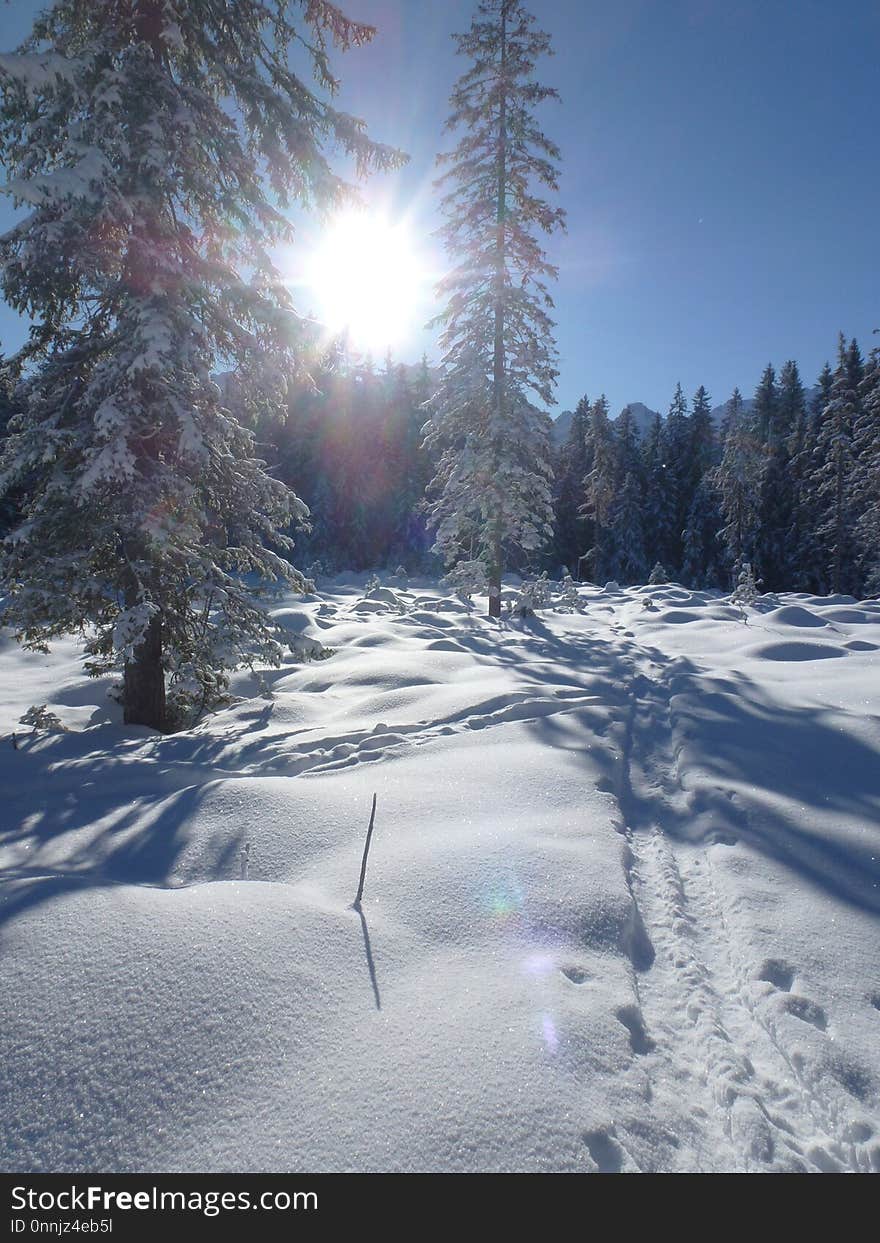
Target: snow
621,905
38,72
80,181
